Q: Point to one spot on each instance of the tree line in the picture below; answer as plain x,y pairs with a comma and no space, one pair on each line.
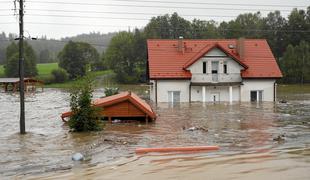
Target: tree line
289,39
126,55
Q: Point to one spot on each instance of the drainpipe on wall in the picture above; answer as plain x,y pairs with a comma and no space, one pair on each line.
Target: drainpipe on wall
275,92
156,91
190,93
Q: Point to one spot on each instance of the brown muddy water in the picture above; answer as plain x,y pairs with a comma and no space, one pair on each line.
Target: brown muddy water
243,131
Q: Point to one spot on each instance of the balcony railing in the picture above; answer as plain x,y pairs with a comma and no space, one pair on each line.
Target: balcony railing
215,78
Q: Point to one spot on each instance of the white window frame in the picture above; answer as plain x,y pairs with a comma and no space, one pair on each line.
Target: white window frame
258,92
172,96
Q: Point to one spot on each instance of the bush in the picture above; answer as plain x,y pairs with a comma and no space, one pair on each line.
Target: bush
48,79
110,91
59,75
85,117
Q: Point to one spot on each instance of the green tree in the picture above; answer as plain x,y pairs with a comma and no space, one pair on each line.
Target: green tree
204,29
85,116
77,58
158,27
296,63
121,56
275,25
168,27
12,62
179,27
297,21
44,56
246,25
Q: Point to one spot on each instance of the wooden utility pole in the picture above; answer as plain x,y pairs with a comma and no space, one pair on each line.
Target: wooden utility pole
21,67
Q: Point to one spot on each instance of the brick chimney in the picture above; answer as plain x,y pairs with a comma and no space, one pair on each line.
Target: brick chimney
240,47
180,44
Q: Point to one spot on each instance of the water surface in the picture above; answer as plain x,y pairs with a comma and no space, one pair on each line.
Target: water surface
243,131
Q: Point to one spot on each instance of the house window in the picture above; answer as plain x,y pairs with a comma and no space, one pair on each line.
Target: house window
204,67
174,96
215,67
256,96
225,68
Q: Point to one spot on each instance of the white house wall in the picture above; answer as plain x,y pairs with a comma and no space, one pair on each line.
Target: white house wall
215,52
163,86
152,90
233,68
223,91
265,85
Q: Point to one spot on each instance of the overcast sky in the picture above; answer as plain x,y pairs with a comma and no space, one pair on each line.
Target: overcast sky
56,20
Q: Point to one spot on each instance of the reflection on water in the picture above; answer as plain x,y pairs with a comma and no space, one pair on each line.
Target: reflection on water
244,132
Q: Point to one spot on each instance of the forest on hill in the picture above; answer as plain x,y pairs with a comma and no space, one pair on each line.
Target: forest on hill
48,49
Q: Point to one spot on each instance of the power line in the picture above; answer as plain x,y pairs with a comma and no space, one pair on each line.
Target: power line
190,28
150,6
106,17
102,17
132,13
70,24
91,17
208,3
7,22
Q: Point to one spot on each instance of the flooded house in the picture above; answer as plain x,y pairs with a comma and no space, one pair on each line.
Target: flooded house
184,70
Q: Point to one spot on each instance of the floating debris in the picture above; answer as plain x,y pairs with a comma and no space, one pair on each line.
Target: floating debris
78,157
283,101
116,121
195,129
280,138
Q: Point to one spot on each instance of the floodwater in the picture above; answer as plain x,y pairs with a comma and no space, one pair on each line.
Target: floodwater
244,132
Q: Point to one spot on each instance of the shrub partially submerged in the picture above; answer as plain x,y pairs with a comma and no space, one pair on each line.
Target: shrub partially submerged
109,91
59,75
85,117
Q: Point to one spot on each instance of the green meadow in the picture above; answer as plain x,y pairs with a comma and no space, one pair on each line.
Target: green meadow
1,71
44,70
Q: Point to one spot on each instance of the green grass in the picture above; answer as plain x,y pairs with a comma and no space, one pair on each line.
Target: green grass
1,71
44,73
293,88
44,70
98,76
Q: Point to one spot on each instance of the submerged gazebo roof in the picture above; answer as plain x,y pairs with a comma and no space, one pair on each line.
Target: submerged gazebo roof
124,104
16,80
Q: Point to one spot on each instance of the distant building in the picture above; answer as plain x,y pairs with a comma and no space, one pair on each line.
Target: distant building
212,70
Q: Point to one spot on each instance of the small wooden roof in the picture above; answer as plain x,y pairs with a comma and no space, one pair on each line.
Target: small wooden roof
16,80
121,97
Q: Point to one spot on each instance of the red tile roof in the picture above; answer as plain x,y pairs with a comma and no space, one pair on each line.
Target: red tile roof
166,62
123,96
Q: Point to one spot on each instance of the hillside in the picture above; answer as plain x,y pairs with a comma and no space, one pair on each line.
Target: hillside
47,49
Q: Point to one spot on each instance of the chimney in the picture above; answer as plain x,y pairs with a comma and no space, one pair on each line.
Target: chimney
180,44
240,47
